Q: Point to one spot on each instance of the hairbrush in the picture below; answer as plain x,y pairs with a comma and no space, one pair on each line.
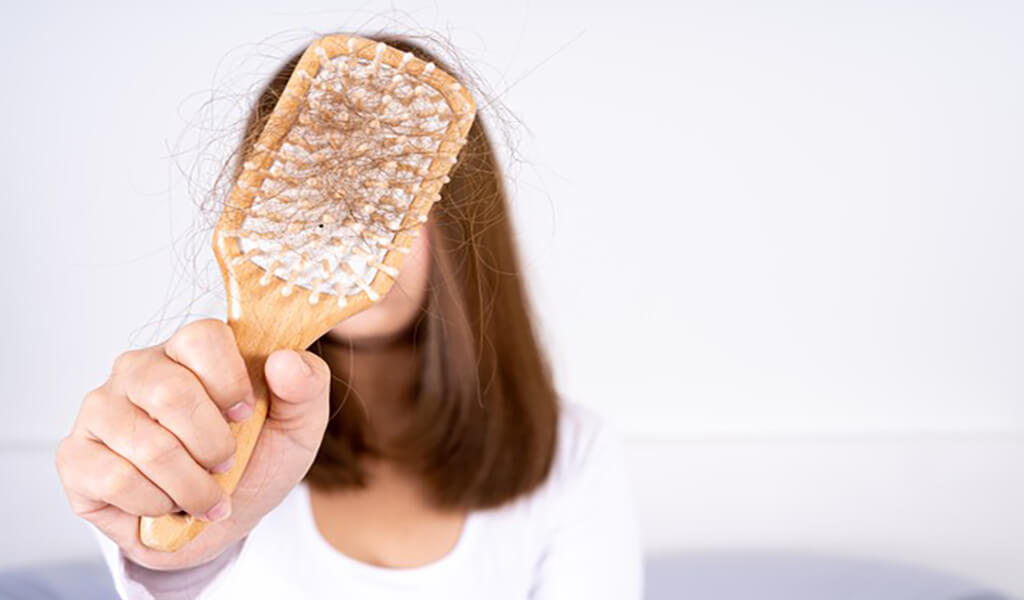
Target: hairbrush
325,209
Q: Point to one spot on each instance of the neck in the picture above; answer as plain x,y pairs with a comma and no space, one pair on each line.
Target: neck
382,375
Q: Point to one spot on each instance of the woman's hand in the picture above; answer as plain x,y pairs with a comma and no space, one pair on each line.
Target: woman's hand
147,441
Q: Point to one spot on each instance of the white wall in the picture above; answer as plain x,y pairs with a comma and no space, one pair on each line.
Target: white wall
778,246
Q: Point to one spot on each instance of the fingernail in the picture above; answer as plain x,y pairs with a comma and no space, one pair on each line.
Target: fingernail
239,412
306,369
219,512
225,466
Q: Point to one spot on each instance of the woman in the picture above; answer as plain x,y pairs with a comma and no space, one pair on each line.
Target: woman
418,451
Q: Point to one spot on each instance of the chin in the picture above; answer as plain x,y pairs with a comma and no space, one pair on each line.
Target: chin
377,323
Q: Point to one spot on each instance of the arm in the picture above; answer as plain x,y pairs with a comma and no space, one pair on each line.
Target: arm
593,550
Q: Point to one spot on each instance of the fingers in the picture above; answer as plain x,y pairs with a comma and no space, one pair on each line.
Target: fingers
208,349
300,383
173,396
131,433
97,477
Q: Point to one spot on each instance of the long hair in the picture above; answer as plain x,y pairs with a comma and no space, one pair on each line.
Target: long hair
484,416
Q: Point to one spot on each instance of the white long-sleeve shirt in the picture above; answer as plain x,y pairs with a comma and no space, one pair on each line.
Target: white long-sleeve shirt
574,537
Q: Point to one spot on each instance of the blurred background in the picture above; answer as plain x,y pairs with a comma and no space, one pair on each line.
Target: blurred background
777,247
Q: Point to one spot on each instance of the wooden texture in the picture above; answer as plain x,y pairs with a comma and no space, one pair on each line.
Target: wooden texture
262,318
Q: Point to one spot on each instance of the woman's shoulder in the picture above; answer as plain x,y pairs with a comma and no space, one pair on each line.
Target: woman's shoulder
585,501
587,446
587,466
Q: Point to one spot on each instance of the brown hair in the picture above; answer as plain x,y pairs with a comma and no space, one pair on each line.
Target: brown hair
484,418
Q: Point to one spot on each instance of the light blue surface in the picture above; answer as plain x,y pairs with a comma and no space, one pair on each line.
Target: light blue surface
785,576
696,576
66,581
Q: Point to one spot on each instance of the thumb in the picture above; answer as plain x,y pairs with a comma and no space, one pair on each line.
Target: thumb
299,385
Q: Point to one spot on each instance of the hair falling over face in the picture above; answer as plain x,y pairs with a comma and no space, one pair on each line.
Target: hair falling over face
482,412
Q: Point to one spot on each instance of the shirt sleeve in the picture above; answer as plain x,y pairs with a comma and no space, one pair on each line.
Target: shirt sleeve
593,549
135,582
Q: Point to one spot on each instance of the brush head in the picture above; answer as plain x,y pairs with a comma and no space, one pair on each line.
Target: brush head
343,174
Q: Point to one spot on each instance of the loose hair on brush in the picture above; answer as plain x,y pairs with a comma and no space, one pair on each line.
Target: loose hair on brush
483,421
